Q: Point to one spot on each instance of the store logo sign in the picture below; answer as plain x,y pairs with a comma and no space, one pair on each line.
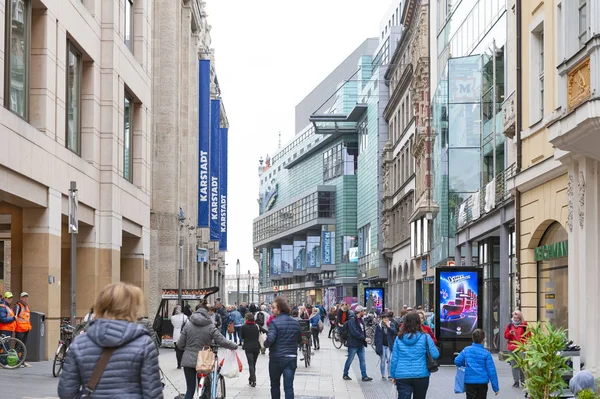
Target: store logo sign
327,248
551,251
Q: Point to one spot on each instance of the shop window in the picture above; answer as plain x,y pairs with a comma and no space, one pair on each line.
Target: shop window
347,243
18,42
553,277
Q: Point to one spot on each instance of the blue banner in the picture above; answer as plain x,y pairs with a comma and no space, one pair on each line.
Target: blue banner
204,140
215,203
223,188
327,243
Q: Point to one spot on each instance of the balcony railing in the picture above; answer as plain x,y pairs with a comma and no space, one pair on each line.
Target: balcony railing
485,200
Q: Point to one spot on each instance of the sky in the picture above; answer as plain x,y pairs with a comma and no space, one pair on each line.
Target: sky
269,54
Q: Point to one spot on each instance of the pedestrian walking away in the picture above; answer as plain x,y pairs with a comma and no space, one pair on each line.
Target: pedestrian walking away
132,366
357,342
250,335
179,320
515,332
199,333
238,321
283,339
408,366
479,368
314,320
385,334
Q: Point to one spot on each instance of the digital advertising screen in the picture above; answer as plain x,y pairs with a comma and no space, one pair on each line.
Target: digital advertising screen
458,303
374,299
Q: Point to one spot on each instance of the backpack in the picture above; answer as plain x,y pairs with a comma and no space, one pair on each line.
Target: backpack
260,318
344,333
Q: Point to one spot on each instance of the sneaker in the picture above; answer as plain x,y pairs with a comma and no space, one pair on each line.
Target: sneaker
26,364
367,379
383,379
347,378
253,384
516,385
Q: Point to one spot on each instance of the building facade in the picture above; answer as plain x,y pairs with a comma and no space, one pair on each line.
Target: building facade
75,88
248,289
176,235
557,187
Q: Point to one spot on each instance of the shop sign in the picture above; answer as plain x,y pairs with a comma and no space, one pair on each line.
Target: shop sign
550,297
319,283
551,251
428,280
327,247
423,267
353,255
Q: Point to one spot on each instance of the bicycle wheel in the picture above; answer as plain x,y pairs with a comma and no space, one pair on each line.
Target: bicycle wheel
337,341
59,360
13,353
307,350
206,387
220,394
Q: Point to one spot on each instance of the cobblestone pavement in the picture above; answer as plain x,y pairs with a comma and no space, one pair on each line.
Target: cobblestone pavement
323,379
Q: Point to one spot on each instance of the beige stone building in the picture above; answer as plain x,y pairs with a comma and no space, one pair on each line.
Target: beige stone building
75,89
558,185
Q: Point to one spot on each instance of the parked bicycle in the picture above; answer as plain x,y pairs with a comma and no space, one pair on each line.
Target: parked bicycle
306,343
66,337
212,385
336,337
13,352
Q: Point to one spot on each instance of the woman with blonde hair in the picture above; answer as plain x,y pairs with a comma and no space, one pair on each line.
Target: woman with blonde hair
515,332
116,347
314,320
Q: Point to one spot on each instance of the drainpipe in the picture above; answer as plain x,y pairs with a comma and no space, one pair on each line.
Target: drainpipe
519,153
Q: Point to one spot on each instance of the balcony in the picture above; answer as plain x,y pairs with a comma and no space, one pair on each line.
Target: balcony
509,115
339,124
480,203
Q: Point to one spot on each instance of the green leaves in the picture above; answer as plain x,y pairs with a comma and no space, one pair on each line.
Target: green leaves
539,358
587,394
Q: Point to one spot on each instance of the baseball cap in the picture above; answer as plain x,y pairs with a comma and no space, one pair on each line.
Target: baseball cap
8,294
24,294
359,309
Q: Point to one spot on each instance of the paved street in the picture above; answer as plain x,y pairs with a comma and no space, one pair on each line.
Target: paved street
323,379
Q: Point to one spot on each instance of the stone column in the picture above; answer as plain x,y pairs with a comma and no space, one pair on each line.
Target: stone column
469,254
457,255
505,311
133,266
7,264
42,263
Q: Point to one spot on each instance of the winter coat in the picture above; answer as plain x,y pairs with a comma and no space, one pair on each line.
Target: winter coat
283,337
314,321
252,308
480,368
341,318
200,332
243,310
408,356
178,321
356,333
392,332
520,335
249,335
236,318
429,331
132,371
332,318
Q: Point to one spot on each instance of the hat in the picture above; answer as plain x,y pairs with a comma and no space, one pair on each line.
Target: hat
582,380
8,295
23,294
359,309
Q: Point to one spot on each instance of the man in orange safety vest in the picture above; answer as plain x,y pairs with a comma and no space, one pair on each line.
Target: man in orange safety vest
7,316
23,320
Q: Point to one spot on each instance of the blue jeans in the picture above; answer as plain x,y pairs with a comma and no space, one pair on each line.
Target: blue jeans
285,366
238,334
361,359
412,387
384,360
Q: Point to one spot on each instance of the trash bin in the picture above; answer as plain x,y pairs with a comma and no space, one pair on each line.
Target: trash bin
36,341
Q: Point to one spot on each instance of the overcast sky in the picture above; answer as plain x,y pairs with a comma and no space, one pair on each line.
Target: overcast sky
269,55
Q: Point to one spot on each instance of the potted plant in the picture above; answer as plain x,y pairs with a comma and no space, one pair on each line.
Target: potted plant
587,394
540,359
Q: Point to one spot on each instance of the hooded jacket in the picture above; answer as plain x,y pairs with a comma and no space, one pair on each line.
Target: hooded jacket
132,371
408,356
356,332
198,333
480,368
283,337
519,334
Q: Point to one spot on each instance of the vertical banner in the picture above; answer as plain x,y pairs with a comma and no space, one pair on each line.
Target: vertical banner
204,141
215,214
223,188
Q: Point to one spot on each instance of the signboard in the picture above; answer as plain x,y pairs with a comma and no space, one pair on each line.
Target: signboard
204,140
423,267
223,188
328,250
202,254
458,306
551,251
374,299
353,255
550,299
215,203
188,294
214,266
428,280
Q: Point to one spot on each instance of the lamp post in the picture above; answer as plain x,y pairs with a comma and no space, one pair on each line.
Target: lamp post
237,275
180,270
252,289
73,230
248,285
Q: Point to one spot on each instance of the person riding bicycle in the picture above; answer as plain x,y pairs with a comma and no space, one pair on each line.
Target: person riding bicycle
200,332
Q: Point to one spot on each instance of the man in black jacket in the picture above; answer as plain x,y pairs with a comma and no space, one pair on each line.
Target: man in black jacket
250,337
220,309
357,342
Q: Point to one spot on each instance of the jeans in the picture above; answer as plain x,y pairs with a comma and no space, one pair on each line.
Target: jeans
22,336
315,335
238,332
191,380
224,330
384,360
361,359
285,366
476,391
178,355
415,387
252,356
331,328
517,373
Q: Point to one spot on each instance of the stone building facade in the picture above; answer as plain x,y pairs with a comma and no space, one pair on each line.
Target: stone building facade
75,89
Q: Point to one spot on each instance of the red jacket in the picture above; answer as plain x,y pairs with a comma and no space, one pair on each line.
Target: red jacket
430,332
515,334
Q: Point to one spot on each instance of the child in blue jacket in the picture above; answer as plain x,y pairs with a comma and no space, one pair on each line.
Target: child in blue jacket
479,368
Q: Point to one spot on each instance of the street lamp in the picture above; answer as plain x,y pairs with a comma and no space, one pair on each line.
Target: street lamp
248,285
237,274
73,230
180,270
252,289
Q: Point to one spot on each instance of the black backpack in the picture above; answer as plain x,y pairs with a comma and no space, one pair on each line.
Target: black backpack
260,318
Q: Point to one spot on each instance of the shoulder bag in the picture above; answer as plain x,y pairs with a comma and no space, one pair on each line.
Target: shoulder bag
262,337
432,365
97,373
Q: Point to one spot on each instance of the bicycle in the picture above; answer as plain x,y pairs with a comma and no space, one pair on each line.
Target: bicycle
336,337
13,352
370,333
66,337
214,380
306,349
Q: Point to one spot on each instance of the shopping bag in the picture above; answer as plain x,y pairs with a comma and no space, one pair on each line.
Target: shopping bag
459,380
229,365
262,337
239,361
206,361
321,326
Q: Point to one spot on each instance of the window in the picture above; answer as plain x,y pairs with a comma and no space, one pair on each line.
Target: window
536,68
350,158
363,134
348,242
332,163
583,23
73,139
541,38
129,24
17,59
553,278
128,138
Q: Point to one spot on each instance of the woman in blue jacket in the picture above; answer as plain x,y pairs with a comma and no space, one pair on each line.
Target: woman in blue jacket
409,362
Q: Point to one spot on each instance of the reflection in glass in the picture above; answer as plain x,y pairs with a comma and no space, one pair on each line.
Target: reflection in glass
73,100
553,279
18,56
299,255
276,261
287,258
313,251
464,170
127,139
129,24
465,128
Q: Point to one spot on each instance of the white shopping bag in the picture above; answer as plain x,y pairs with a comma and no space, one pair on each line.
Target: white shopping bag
230,367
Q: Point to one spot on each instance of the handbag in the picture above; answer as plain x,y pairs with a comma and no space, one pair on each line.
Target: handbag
97,373
432,365
205,363
321,326
230,328
459,380
262,337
